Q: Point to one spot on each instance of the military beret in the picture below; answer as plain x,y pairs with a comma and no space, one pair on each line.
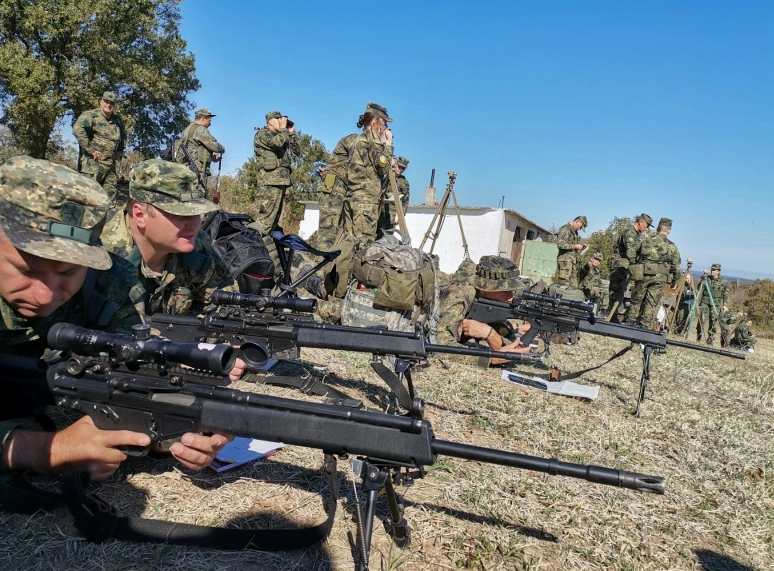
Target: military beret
203,112
378,110
665,222
53,212
584,222
715,267
402,162
273,115
646,218
495,273
110,96
168,186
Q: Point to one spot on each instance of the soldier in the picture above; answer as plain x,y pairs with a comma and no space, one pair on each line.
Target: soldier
591,280
624,255
497,279
685,304
159,232
332,194
658,264
274,146
743,338
101,136
388,216
712,302
369,161
52,270
202,147
569,244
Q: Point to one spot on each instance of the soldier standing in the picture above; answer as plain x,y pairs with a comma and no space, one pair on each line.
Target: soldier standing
569,245
713,300
274,146
388,215
332,193
658,264
624,255
101,137
202,147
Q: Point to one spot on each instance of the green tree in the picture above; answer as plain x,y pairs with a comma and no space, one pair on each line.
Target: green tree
759,302
58,56
604,241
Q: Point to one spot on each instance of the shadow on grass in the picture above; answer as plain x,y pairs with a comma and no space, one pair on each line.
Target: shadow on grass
711,561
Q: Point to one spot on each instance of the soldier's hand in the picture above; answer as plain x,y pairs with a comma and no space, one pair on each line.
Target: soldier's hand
283,122
197,451
292,130
387,136
215,157
96,155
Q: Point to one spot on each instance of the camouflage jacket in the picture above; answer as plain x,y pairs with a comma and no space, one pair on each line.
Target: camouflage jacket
188,279
201,145
339,159
742,335
718,287
273,152
590,281
566,239
659,250
95,132
368,165
626,246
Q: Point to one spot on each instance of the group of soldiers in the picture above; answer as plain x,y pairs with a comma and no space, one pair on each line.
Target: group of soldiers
645,263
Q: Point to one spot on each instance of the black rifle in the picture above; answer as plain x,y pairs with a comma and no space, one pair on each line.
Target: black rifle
192,165
254,323
550,315
133,388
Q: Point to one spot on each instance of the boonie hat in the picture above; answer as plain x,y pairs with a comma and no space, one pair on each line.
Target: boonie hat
495,273
168,186
378,110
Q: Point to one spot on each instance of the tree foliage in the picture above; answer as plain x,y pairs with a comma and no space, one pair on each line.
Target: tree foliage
604,242
58,56
759,302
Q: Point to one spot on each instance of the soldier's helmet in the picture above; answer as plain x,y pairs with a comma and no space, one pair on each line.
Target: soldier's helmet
51,211
170,187
495,273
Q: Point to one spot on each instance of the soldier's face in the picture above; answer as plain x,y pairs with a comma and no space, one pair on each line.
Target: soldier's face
715,273
34,286
107,107
168,233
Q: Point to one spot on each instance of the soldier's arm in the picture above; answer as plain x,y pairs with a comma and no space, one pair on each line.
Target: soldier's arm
631,241
293,145
205,138
564,239
122,136
81,132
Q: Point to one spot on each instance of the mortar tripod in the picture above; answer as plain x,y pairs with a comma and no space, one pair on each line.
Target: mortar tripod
434,230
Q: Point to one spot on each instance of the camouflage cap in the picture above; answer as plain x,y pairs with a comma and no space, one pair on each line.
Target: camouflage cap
402,162
715,267
646,218
584,222
168,186
495,273
665,222
203,112
51,211
597,256
273,115
110,96
378,110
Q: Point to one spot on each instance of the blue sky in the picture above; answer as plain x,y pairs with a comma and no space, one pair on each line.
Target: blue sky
603,108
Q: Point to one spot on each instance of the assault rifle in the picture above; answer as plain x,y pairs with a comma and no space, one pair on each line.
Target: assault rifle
201,177
550,315
258,325
123,383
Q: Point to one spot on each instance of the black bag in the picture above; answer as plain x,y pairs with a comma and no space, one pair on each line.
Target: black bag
242,250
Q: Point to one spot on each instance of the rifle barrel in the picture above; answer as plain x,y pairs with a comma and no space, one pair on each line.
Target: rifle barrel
696,347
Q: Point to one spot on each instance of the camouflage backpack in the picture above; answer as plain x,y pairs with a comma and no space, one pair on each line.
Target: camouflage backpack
393,285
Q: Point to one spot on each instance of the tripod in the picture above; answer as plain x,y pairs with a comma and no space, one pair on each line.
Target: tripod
436,224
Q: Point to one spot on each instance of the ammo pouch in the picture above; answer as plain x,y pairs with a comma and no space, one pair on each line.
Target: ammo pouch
269,162
652,268
637,272
329,181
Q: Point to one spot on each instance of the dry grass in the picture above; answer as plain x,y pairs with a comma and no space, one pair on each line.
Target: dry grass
706,427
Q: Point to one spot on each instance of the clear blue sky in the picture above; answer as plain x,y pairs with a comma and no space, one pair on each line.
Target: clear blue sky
603,108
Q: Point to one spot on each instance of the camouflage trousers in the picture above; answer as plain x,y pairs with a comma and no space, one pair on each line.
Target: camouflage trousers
567,271
104,172
361,216
709,319
647,298
331,219
267,206
619,280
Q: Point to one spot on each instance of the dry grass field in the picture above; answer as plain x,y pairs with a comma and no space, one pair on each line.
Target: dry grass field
705,426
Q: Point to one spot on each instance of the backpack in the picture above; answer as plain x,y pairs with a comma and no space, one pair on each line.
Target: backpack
393,285
242,250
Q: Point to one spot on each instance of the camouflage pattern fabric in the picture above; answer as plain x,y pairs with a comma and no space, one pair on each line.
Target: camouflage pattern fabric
388,217
624,255
95,132
709,312
590,281
743,337
332,194
52,212
201,145
188,280
567,259
662,261
273,151
170,187
368,166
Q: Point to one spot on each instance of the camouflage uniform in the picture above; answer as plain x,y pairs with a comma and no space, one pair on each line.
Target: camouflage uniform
624,255
660,260
493,273
726,320
95,132
388,218
591,282
332,194
273,151
369,164
51,211
189,278
710,305
567,259
743,337
200,145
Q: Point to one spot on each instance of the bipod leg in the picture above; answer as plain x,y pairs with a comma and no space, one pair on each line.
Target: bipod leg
401,396
647,351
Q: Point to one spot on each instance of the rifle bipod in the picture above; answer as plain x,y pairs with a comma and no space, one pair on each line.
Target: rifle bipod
401,396
647,351
377,476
